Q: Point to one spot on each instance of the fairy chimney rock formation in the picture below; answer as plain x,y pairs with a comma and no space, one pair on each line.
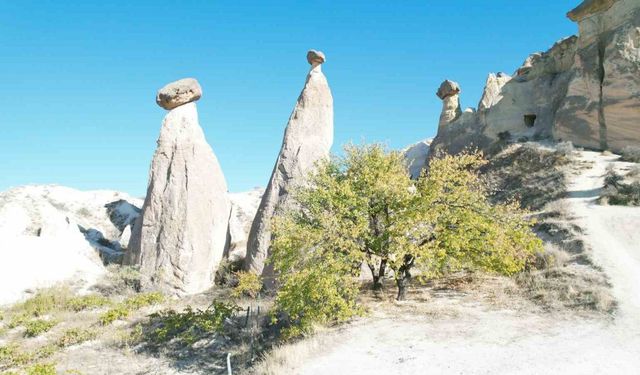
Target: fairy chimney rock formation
449,93
307,139
180,236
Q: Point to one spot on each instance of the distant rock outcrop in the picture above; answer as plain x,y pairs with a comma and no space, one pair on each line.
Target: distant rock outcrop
180,238
601,108
416,157
243,210
50,234
492,93
308,138
585,89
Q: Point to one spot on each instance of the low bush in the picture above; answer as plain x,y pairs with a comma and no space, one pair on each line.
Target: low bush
248,284
126,307
120,280
37,327
189,325
90,301
11,356
43,302
617,192
75,336
631,153
42,369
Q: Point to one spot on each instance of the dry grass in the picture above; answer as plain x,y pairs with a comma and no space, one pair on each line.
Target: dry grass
564,276
283,359
533,174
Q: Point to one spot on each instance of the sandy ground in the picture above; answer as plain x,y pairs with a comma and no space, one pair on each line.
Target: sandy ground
479,339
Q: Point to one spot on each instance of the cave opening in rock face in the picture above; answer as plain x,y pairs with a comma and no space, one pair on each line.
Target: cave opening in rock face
530,120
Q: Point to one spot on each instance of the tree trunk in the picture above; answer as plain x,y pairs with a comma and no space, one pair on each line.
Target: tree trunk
402,289
403,277
378,279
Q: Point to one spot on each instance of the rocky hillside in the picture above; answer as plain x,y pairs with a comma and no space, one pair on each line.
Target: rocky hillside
585,89
54,233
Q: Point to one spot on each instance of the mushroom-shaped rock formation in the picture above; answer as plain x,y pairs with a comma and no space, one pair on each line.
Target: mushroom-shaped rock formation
177,93
181,234
307,139
448,92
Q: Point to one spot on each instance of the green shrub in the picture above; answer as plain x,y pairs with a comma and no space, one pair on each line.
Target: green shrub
315,296
144,299
116,313
125,308
89,301
11,355
75,336
249,284
43,302
189,325
37,327
364,208
42,369
18,320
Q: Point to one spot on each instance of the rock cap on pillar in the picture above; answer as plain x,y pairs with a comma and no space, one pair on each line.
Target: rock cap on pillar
448,88
179,92
315,57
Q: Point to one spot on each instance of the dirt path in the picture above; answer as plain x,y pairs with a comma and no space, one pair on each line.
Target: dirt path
613,232
482,340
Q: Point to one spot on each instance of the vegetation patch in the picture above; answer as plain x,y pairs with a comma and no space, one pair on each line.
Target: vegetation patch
364,208
42,369
44,301
87,302
248,284
37,327
528,173
619,192
190,325
120,280
631,154
131,304
75,336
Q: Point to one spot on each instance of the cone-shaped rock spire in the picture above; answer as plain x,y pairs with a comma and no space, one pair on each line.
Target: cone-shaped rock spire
307,139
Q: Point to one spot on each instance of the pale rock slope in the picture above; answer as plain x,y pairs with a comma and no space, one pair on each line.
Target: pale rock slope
243,209
51,233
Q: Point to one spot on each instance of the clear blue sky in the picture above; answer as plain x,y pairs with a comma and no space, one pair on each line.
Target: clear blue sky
78,78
